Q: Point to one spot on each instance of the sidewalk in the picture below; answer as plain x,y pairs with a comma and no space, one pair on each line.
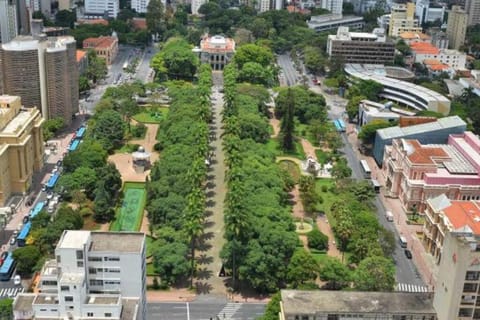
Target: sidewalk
422,260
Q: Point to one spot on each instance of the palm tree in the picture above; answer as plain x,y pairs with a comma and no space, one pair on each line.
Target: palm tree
194,230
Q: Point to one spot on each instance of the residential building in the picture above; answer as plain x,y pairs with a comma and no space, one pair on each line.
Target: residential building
21,146
436,67
106,47
325,304
8,20
453,58
431,132
457,27
429,12
140,6
457,294
399,91
439,38
216,50
43,72
369,111
334,6
96,275
472,7
66,5
417,172
332,22
410,37
196,4
102,8
361,47
402,18
263,5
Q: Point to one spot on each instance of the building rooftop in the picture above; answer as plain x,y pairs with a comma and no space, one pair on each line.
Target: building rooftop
408,35
129,309
73,239
93,21
463,216
217,43
103,299
18,122
23,302
419,154
424,48
323,301
117,241
102,42
21,43
80,55
46,299
442,123
72,278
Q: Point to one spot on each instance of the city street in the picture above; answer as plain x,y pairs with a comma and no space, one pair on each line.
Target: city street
201,310
406,271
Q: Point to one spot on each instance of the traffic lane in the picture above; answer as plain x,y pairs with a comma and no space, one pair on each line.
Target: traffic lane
202,310
168,311
250,311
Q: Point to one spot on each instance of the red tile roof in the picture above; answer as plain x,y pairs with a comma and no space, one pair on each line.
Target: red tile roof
464,213
93,21
424,48
425,155
80,55
100,42
139,23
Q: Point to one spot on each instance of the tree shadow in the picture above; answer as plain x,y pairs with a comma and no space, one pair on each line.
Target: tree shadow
208,224
210,194
206,236
208,213
204,274
210,203
204,259
211,177
203,246
210,169
203,287
210,185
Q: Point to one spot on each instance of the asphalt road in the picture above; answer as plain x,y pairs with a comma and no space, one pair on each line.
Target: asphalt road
406,271
200,310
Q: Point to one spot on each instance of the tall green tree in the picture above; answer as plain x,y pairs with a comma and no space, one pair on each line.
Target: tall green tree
26,258
155,17
288,124
335,273
375,274
102,204
302,268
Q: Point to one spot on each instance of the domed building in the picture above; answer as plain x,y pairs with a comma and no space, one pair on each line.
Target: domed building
216,50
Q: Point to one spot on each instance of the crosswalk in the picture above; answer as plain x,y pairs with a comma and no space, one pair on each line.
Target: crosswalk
406,287
10,292
228,311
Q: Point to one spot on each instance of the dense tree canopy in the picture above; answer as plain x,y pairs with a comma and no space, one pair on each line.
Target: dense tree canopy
175,61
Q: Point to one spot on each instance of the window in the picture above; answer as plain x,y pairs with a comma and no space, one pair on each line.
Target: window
472,275
94,282
49,283
92,270
108,315
65,288
59,259
469,287
93,259
79,255
68,299
112,258
89,314
80,264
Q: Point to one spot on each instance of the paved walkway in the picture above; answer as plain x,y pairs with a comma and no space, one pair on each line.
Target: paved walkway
209,262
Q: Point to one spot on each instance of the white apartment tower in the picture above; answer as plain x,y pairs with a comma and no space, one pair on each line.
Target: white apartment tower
196,4
102,8
472,7
334,6
8,20
140,6
96,275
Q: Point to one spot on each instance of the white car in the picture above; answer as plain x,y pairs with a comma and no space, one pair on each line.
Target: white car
17,280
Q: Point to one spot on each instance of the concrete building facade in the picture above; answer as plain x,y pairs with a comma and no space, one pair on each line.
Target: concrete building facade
457,295
472,7
106,47
453,58
102,8
415,173
43,72
402,19
196,4
97,275
336,305
361,47
332,22
8,20
457,27
21,146
140,6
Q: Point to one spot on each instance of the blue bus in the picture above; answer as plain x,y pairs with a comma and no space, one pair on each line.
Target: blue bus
74,145
53,180
80,133
38,207
22,236
7,268
340,125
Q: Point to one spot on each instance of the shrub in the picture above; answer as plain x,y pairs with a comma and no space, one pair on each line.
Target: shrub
139,130
317,240
324,188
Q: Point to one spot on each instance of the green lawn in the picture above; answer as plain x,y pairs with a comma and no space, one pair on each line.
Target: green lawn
322,156
328,197
129,215
330,82
320,256
127,148
151,115
151,270
292,168
274,146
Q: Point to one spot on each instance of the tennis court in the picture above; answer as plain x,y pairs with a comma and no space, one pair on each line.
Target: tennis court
130,214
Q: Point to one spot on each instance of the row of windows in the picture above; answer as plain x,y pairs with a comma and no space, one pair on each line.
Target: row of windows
99,270
97,282
98,259
106,314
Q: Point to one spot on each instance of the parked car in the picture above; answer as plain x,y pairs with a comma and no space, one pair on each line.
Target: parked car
17,280
13,241
408,254
25,219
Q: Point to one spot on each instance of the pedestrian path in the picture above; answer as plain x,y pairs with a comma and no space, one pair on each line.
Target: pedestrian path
10,292
229,311
405,287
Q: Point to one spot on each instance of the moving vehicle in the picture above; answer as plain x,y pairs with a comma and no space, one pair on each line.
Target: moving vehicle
7,267
376,186
403,242
389,216
367,173
408,254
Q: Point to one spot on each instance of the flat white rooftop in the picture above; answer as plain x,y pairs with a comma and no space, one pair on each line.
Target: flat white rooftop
73,239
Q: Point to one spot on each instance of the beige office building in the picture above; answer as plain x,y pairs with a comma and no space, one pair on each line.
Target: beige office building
361,47
457,27
43,72
21,146
402,19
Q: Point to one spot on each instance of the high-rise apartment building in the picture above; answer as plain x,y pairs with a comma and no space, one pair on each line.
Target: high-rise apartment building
8,20
43,73
196,4
457,27
361,47
95,275
472,7
334,6
402,18
140,6
457,289
102,8
21,146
